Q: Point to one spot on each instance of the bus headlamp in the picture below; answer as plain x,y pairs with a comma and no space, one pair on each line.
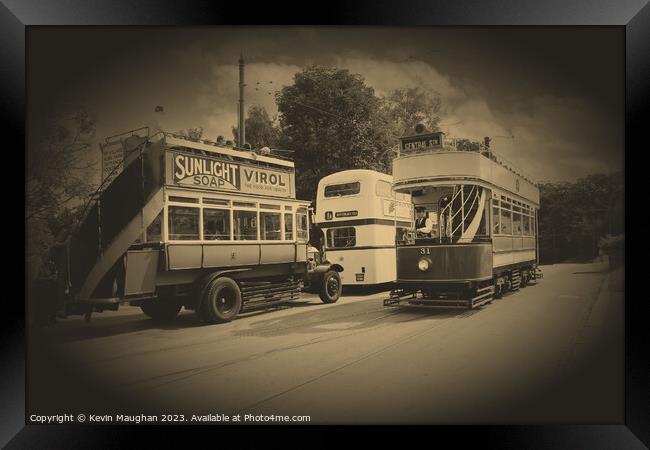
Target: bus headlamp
423,265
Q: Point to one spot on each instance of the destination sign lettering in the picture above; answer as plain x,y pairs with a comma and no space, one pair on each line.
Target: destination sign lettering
209,173
346,214
422,142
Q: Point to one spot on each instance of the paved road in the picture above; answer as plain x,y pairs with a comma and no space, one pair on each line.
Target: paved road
550,352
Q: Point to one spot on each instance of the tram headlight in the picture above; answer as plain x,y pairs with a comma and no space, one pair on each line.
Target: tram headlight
423,264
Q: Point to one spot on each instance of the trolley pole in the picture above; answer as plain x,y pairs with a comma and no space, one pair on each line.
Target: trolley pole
242,122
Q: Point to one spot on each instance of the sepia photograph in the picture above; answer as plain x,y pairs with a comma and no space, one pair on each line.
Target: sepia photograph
325,225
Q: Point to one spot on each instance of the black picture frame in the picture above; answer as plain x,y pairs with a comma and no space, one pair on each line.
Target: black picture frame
633,15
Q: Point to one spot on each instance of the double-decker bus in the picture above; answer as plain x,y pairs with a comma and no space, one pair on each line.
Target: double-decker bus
192,224
483,238
360,215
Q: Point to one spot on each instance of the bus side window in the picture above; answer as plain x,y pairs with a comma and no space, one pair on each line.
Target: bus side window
341,237
216,224
245,225
183,223
302,225
154,231
288,226
270,228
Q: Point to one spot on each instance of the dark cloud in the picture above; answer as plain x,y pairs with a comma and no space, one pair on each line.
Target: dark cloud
559,90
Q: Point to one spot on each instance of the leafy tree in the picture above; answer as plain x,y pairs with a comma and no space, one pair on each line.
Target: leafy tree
261,130
58,163
333,121
574,216
407,107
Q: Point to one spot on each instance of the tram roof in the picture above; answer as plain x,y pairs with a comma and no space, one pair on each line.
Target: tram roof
414,170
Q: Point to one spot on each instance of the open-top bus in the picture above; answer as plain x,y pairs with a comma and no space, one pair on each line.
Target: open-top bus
360,214
192,224
483,238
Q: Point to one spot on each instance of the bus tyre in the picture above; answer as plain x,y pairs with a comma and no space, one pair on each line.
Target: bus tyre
164,309
222,301
330,289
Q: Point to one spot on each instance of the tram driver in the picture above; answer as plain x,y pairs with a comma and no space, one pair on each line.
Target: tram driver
423,224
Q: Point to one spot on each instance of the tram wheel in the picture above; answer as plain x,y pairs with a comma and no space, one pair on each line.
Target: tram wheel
222,301
331,287
162,309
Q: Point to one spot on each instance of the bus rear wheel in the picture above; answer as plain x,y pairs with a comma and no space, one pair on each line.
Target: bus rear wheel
331,287
222,301
162,309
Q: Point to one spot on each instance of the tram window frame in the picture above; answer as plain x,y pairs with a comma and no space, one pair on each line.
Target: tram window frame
517,226
330,237
172,210
355,190
302,234
388,194
526,225
236,235
505,219
496,217
262,226
229,227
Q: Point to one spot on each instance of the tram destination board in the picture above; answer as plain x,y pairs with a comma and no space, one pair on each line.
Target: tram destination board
421,142
221,175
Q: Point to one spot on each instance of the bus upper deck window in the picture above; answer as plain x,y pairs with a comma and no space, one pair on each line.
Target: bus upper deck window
302,225
216,224
340,190
245,225
183,223
270,226
288,226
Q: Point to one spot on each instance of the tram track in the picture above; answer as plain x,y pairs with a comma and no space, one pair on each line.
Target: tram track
179,376
401,341
270,329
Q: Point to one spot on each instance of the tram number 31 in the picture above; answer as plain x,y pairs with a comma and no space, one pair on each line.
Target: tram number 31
425,251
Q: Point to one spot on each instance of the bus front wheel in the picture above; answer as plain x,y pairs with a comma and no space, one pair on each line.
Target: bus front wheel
330,289
222,301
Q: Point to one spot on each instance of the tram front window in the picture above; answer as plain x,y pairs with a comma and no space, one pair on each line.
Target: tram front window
245,225
270,228
216,224
183,223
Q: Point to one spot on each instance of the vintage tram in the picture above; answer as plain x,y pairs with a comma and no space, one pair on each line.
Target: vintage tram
359,214
480,238
194,224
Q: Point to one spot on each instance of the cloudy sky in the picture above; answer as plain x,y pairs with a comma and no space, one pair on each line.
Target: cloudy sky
558,91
